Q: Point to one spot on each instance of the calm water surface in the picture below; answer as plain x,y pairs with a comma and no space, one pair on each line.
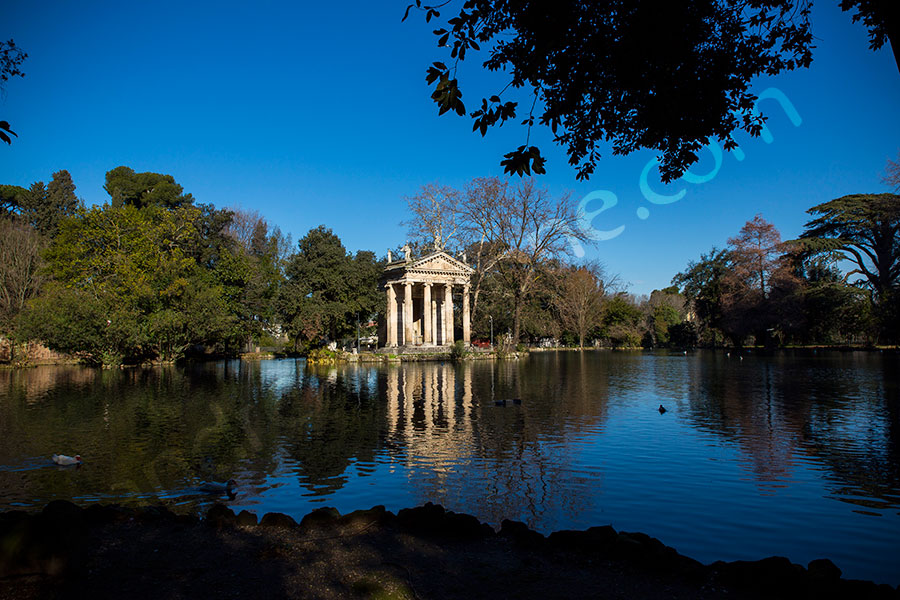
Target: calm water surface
785,454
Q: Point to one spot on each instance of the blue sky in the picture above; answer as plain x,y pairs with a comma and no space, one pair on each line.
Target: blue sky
318,113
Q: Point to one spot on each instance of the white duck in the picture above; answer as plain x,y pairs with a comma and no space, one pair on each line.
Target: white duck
62,459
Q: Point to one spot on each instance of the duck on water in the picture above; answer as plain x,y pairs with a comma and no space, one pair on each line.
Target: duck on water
214,488
62,459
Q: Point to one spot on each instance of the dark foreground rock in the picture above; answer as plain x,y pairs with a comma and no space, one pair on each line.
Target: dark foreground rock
425,552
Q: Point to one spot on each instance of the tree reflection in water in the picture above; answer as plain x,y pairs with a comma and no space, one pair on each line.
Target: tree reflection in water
837,410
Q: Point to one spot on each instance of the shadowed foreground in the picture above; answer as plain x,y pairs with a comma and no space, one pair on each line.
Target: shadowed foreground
425,552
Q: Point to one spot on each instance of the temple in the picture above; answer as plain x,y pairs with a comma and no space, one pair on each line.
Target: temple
420,294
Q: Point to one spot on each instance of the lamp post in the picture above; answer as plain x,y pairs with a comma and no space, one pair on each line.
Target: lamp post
491,317
358,349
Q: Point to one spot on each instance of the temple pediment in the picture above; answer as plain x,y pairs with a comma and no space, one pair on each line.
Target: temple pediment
440,262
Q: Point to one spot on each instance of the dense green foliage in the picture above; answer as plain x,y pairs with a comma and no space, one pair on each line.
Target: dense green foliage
154,276
124,186
138,290
41,206
327,289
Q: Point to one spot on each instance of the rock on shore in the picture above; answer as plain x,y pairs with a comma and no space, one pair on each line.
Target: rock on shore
101,551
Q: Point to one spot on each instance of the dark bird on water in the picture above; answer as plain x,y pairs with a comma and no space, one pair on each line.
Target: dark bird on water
517,401
217,489
662,409
500,402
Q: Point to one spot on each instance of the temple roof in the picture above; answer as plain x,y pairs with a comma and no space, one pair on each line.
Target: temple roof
437,266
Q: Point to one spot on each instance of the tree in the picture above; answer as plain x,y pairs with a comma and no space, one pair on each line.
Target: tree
832,311
755,253
579,298
882,18
20,270
326,288
756,269
723,303
126,279
125,187
683,335
704,283
669,76
665,309
863,229
539,317
527,227
262,251
892,174
482,253
74,321
440,219
11,199
11,59
44,206
434,222
623,321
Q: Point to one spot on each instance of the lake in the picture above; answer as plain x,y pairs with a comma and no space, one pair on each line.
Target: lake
793,454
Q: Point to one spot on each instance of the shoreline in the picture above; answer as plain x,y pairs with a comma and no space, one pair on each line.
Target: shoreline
387,358
424,552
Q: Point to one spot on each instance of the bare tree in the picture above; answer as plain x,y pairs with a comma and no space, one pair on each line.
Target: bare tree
244,223
434,223
756,252
439,221
892,174
526,227
482,252
20,273
579,296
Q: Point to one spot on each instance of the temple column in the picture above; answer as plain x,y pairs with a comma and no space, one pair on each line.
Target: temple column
427,338
407,315
467,333
448,313
434,320
391,316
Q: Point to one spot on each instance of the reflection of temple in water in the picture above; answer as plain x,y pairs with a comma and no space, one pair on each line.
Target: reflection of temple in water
423,398
463,451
